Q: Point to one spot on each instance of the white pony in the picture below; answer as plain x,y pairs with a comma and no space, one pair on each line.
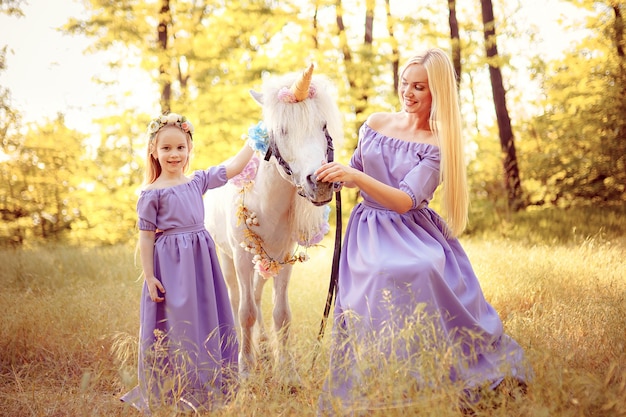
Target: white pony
259,221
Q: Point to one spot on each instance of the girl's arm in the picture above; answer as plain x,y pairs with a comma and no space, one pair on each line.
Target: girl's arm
146,251
236,164
389,197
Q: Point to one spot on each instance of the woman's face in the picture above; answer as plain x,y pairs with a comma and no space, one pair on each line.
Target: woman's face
414,92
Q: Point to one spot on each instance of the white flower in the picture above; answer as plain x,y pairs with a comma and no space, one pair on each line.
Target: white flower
173,118
153,126
163,119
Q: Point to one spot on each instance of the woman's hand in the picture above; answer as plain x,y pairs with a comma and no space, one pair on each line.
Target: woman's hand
335,172
154,286
386,195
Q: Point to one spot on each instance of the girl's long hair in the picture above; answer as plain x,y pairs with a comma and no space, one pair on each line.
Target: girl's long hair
445,123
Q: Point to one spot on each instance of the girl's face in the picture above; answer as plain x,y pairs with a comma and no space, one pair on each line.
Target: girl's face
414,92
172,150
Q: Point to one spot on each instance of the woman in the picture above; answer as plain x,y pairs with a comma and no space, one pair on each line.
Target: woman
407,297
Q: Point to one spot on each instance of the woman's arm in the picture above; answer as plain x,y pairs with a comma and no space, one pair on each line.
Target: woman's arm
387,196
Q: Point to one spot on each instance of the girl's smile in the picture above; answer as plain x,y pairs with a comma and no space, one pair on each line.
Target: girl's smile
172,150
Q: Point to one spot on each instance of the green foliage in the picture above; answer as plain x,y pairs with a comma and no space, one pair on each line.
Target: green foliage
576,150
115,178
42,177
12,7
571,154
550,225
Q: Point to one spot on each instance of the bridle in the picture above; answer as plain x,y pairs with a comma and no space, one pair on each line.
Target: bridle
272,149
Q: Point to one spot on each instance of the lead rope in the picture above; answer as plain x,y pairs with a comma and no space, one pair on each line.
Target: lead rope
334,276
334,272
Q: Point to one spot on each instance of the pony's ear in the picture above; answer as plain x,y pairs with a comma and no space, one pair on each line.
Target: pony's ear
258,97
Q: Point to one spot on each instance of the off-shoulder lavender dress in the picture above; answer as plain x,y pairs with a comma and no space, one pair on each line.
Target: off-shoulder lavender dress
187,343
406,290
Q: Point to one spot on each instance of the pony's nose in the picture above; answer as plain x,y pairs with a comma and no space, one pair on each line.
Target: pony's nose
312,180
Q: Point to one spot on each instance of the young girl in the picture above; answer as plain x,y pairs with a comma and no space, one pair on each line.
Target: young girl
187,338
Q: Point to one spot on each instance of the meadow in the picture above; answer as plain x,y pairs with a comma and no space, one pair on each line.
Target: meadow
557,278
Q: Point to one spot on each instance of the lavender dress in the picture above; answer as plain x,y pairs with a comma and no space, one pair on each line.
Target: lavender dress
405,291
187,343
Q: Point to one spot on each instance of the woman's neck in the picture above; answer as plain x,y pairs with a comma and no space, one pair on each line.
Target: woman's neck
416,122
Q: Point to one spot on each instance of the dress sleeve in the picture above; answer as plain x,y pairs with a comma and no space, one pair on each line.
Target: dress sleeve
147,209
356,161
212,177
421,181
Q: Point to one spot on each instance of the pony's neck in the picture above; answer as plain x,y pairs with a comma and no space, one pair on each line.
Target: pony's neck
275,193
279,197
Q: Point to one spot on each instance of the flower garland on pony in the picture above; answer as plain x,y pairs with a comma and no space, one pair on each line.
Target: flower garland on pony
264,264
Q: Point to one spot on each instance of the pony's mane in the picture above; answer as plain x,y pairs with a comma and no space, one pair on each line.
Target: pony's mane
303,115
300,119
307,218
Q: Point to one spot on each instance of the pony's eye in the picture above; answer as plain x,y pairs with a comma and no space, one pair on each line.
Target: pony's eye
283,131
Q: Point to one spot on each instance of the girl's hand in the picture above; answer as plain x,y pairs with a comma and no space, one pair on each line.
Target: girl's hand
154,286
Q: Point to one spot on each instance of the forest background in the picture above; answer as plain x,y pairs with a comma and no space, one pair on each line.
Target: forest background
544,132
546,137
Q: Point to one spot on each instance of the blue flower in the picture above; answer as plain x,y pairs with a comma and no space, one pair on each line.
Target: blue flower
326,213
258,138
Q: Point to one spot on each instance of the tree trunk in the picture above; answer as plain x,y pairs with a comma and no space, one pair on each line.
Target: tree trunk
343,41
164,77
618,28
395,60
455,41
512,181
315,27
359,89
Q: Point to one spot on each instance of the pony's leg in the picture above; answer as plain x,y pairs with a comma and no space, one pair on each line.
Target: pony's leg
247,315
261,334
285,363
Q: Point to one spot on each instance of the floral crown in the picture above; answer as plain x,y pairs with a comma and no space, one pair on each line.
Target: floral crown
169,119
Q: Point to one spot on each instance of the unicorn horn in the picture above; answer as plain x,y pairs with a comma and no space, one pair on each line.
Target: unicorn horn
300,87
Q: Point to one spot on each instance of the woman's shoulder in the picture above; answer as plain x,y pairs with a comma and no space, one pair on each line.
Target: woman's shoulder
379,119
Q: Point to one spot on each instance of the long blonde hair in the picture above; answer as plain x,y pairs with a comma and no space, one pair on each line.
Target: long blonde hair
445,123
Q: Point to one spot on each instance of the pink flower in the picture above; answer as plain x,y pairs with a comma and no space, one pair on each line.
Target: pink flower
266,268
286,96
248,173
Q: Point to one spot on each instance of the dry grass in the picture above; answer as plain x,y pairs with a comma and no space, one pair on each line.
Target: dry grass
68,334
